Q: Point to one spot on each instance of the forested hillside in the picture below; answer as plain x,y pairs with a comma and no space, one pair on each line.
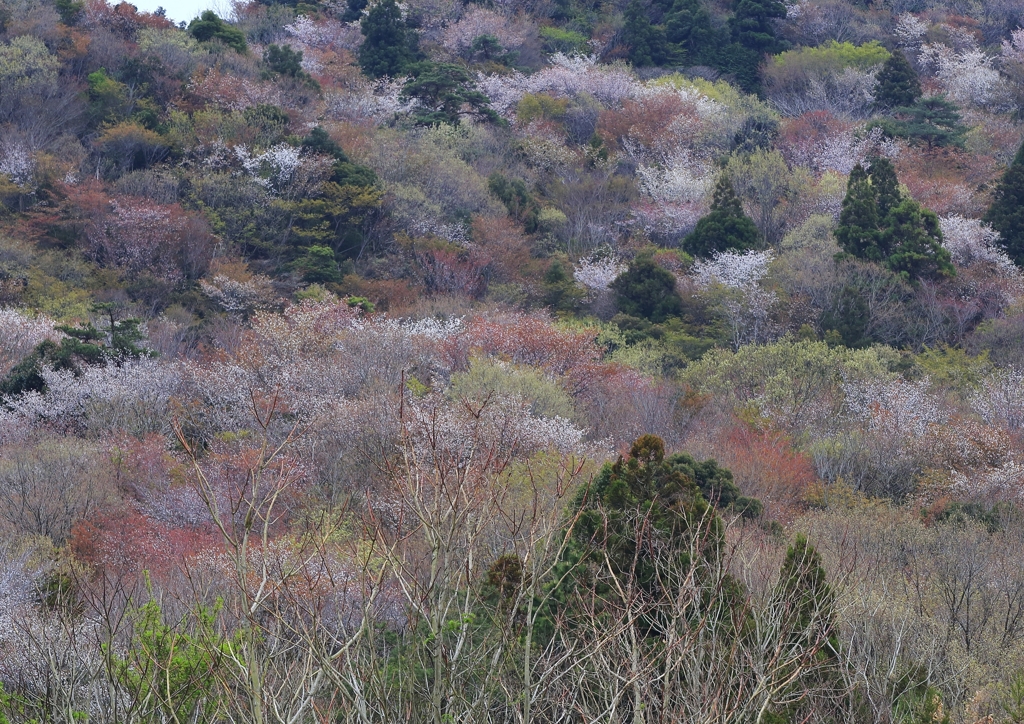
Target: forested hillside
520,361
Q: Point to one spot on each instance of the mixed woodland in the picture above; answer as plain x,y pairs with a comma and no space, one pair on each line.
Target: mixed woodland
520,361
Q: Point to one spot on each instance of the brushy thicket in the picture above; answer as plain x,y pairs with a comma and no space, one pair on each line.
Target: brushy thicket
560,361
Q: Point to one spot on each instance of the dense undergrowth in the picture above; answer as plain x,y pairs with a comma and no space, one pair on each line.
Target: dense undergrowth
503,361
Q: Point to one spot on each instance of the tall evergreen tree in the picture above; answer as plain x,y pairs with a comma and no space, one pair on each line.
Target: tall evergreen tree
858,229
390,45
885,184
1006,214
646,290
753,37
725,228
898,85
914,241
688,26
807,629
646,42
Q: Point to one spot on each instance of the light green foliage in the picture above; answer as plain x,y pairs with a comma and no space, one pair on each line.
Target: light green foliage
107,97
25,61
540,106
794,384
489,377
815,233
561,40
28,79
954,368
172,670
833,56
764,181
428,175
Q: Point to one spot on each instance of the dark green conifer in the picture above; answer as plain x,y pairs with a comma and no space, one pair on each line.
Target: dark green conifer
934,121
646,290
390,45
445,93
914,241
804,590
885,184
209,26
858,230
898,85
688,25
646,42
753,35
1006,215
725,228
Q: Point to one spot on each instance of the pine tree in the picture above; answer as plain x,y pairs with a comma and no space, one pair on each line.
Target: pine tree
725,228
209,26
1006,215
933,120
390,45
445,93
898,85
858,230
914,239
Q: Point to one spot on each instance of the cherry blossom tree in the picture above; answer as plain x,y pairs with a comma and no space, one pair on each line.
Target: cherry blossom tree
733,280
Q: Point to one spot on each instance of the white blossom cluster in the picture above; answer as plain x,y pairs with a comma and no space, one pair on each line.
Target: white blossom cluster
239,297
909,30
476,21
1000,399
16,162
18,582
273,168
567,76
682,179
323,34
738,270
233,93
734,280
19,335
971,242
1005,482
446,433
671,220
132,395
428,327
967,76
1013,49
597,274
897,407
452,233
379,102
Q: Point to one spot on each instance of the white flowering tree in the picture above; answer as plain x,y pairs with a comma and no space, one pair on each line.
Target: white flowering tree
733,281
19,335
